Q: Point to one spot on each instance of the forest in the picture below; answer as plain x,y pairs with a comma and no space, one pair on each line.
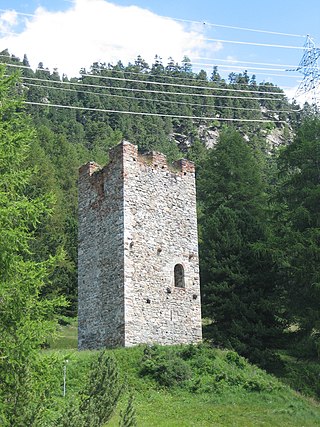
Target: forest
257,160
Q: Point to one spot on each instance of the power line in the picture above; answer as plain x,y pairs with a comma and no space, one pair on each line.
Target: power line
209,24
19,13
175,77
237,41
192,63
162,83
173,84
214,64
153,91
102,110
237,61
240,66
269,74
193,79
204,23
254,43
154,82
161,100
163,76
222,69
242,43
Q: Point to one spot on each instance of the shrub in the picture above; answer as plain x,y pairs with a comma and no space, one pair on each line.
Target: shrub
234,358
166,367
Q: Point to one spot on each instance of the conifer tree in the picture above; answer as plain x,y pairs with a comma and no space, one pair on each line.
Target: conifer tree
298,227
98,398
128,417
26,319
239,294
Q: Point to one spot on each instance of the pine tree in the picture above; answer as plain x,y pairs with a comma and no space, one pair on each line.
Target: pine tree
298,227
98,398
239,294
128,417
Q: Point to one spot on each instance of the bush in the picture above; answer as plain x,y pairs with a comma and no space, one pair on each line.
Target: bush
165,367
234,358
201,369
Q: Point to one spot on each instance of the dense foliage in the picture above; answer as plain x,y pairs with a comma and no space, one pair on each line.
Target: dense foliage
258,201
198,369
297,222
28,312
27,319
240,294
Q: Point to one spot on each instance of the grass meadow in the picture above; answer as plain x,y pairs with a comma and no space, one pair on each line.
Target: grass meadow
182,386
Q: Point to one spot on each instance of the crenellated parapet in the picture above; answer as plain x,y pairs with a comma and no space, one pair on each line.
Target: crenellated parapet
125,151
89,168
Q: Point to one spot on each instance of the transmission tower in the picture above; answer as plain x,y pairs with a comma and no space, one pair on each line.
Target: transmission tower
309,67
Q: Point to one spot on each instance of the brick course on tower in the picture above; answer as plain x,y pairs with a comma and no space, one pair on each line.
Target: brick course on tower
138,267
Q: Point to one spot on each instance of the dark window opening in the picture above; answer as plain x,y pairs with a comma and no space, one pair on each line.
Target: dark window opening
179,276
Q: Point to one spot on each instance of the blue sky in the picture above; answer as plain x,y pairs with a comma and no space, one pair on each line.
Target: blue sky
73,34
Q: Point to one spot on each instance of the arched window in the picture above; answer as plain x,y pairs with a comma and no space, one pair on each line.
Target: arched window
179,276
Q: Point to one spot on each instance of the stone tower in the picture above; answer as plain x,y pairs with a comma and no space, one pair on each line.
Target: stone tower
138,251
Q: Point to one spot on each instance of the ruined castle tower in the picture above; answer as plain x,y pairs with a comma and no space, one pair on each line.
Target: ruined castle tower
138,251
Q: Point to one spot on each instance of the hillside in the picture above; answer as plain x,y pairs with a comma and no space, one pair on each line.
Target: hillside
258,217
192,386
172,110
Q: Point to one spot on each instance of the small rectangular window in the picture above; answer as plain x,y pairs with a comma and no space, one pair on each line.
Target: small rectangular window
179,276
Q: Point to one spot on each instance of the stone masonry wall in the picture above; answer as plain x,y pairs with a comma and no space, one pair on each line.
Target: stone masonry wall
100,258
137,222
160,232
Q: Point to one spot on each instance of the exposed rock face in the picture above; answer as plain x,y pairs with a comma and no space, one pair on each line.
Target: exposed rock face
209,136
138,251
276,138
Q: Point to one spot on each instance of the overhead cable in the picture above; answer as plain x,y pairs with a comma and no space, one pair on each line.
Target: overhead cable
138,113
210,24
150,82
213,64
18,13
189,78
155,75
254,43
154,91
162,101
205,58
173,84
204,23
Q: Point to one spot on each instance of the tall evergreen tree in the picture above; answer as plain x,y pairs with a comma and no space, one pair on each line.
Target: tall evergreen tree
298,226
239,294
26,319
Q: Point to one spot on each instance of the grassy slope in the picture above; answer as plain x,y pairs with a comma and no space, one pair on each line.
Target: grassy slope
229,404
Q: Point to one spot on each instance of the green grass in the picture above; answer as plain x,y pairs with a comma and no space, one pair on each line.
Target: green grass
301,375
66,337
221,391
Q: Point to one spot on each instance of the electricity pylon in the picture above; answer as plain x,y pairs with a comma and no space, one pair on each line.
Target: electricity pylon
309,67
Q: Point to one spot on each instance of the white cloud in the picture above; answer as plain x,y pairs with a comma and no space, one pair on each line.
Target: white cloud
97,30
7,20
